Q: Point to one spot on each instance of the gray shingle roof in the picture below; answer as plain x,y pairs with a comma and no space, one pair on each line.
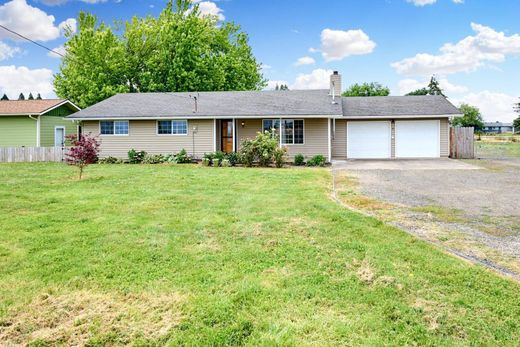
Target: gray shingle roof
211,104
387,106
263,104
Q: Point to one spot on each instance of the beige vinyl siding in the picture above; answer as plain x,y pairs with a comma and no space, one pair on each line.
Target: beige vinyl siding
142,136
339,142
249,131
315,136
445,136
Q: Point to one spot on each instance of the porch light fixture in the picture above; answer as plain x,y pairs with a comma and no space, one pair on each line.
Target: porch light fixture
243,124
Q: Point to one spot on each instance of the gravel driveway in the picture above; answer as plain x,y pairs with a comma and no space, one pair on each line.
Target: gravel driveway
477,199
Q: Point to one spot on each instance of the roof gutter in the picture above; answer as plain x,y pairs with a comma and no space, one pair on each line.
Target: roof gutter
203,117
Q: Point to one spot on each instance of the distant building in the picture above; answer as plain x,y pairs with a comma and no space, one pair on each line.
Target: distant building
498,128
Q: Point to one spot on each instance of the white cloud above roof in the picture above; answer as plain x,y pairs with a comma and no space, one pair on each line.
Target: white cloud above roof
305,61
24,80
317,79
7,51
339,44
409,84
430,2
29,21
469,54
494,106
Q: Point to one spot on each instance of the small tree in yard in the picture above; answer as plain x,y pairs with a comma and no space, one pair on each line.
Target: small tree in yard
84,151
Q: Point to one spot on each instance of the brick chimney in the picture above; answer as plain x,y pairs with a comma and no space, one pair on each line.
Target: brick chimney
335,84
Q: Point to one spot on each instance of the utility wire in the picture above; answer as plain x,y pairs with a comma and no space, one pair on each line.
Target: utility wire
61,55
28,39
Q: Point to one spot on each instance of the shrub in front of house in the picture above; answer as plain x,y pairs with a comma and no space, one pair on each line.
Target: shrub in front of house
154,159
261,149
216,162
299,159
279,156
317,160
110,160
182,157
205,161
225,163
136,157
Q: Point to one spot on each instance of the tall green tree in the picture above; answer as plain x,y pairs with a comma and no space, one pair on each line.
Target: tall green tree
180,50
4,97
31,97
38,97
432,89
517,107
367,89
471,118
21,96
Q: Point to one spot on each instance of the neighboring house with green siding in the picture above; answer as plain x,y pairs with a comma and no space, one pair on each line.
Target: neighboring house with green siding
36,123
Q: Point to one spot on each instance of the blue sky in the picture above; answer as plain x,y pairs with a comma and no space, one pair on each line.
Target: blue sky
473,46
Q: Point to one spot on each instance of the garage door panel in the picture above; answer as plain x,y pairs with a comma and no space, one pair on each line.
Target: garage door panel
417,139
369,140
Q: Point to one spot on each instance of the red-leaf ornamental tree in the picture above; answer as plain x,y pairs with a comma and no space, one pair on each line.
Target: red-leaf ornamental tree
84,151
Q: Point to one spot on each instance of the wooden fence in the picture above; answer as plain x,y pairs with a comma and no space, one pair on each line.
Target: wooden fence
462,143
31,154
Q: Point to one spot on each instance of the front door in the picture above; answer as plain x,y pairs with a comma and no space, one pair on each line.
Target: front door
59,136
226,130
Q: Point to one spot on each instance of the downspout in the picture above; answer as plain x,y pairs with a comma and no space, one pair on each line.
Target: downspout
38,126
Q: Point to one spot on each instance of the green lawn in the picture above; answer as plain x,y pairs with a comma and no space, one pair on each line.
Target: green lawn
497,149
186,255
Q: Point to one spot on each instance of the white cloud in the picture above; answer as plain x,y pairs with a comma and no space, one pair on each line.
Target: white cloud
24,80
209,8
29,21
305,61
266,67
68,24
339,44
466,55
493,106
59,49
271,85
430,2
317,79
7,51
59,2
408,85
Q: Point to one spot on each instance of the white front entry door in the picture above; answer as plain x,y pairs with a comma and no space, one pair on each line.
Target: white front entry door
417,139
59,136
369,140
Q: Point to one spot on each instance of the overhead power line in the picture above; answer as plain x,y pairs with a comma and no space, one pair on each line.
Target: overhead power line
28,39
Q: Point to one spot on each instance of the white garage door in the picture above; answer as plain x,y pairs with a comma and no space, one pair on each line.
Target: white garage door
417,139
368,140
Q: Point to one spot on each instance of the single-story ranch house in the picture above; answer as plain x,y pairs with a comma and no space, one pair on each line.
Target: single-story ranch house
311,122
35,123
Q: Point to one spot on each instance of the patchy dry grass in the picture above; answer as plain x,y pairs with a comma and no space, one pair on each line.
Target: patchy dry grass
448,215
77,317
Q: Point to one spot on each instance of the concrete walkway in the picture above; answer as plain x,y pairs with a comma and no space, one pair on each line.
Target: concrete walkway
403,164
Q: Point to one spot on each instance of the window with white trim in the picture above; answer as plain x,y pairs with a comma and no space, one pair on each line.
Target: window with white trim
172,127
271,125
109,127
292,130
